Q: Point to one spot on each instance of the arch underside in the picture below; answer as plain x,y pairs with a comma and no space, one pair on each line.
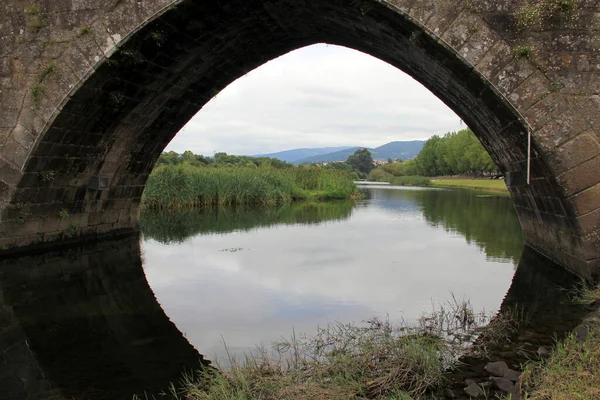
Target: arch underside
116,124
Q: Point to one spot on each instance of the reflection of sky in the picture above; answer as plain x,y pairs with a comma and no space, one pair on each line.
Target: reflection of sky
383,260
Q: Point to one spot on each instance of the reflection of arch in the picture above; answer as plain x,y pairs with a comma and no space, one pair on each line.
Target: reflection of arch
542,311
85,324
165,63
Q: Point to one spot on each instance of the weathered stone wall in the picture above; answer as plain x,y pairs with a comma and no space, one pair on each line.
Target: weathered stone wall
98,88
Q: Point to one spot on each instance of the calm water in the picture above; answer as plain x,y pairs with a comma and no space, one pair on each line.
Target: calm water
111,319
251,276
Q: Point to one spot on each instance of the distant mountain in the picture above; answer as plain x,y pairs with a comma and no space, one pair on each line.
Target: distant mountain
341,155
294,155
404,150
394,150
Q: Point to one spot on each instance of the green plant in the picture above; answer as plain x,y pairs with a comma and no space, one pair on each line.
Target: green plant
117,98
524,51
37,24
158,37
528,16
85,30
185,186
36,93
411,181
63,213
33,10
586,293
72,228
554,87
47,71
535,12
571,372
415,36
500,329
47,176
372,360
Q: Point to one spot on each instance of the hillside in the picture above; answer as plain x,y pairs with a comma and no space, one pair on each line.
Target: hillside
294,155
394,150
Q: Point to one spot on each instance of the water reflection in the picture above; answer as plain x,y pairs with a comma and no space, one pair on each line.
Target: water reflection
486,219
84,324
543,291
174,227
394,253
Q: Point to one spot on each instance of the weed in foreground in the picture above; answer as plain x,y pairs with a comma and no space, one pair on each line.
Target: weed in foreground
375,360
586,293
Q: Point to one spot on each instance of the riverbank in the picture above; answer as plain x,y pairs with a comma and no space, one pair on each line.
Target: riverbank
572,369
375,359
177,187
485,184
452,352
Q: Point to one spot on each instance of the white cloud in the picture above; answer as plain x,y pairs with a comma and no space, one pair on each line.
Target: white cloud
317,96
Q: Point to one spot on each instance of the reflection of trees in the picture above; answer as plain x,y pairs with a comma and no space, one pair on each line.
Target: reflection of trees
170,227
490,221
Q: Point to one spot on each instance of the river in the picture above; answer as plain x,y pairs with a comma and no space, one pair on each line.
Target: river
115,318
251,276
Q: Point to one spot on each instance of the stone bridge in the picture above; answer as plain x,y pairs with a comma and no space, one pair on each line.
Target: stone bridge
92,91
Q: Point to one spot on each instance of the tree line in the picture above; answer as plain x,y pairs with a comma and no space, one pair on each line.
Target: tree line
219,160
358,164
455,153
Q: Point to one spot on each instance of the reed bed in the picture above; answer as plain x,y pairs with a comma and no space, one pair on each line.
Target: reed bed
182,187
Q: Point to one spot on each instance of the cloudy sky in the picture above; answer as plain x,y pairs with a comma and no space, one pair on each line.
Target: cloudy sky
315,97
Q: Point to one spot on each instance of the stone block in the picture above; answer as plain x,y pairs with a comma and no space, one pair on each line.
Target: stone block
461,28
531,91
493,61
581,177
586,201
512,75
589,222
574,152
14,153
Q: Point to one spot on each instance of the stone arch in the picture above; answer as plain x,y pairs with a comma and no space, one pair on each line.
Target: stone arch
108,86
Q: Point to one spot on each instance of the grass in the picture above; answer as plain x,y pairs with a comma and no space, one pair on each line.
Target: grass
586,293
502,327
410,181
342,361
488,184
184,186
380,175
375,359
572,372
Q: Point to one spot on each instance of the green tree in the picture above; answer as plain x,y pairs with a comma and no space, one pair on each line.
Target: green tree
362,161
456,153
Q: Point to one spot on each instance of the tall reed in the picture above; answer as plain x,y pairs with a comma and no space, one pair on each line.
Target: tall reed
185,186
